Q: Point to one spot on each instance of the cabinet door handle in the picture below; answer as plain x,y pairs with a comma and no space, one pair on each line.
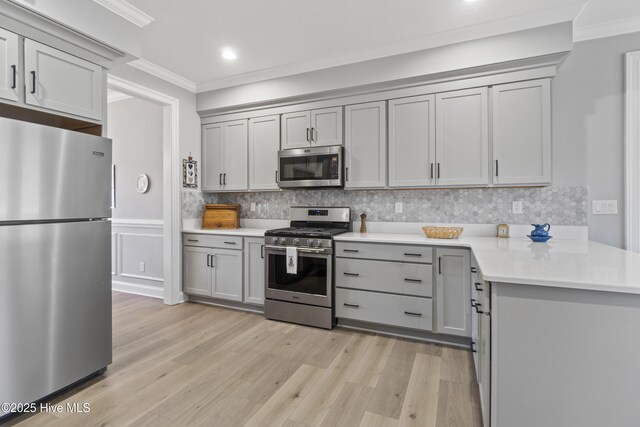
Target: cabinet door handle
477,309
473,303
262,251
355,251
439,265
314,130
351,274
13,77
347,174
212,256
224,178
473,270
497,170
438,170
230,243
33,82
411,313
473,347
352,305
413,280
411,254
478,287
276,176
220,179
431,170
308,138
193,240
208,260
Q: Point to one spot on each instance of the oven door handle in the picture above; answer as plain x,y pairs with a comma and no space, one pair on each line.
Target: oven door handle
304,250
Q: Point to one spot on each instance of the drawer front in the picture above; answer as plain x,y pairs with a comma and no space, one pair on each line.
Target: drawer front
386,309
407,253
395,277
212,241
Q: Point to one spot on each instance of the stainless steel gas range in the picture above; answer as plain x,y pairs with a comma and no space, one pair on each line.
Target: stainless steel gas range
299,266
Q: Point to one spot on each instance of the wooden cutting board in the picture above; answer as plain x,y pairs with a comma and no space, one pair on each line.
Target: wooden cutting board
220,217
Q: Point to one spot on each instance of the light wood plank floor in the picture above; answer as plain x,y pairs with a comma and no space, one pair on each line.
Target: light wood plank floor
198,365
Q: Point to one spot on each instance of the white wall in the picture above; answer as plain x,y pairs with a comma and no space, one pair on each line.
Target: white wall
588,127
136,126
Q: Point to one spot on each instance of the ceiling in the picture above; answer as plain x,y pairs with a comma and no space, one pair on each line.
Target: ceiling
284,37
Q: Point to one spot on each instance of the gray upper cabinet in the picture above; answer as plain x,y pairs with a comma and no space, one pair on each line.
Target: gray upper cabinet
9,66
55,80
453,281
521,115
315,128
412,149
264,143
224,152
366,145
462,138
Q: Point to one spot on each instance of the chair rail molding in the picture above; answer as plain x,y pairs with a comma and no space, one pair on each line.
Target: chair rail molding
632,152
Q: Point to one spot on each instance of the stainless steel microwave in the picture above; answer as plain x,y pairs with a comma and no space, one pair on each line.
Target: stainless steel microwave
310,167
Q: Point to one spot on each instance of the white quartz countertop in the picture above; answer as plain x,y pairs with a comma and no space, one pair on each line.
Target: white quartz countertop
240,232
577,264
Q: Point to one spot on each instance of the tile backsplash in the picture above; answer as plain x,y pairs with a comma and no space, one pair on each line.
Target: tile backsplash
556,205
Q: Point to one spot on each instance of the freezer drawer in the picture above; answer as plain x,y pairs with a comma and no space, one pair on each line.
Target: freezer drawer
52,174
55,306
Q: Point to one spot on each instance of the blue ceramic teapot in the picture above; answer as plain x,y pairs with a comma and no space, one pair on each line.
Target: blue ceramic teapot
540,233
541,230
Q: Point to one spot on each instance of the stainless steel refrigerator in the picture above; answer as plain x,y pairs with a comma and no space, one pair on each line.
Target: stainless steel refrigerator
55,259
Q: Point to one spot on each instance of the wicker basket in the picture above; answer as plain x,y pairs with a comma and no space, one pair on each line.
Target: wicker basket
443,232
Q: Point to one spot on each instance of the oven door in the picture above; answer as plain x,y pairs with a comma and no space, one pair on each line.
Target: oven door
310,167
311,284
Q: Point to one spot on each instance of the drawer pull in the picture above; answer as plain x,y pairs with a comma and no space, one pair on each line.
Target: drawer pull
410,254
411,313
193,240
352,305
473,303
230,243
473,347
413,280
473,270
478,287
354,251
351,274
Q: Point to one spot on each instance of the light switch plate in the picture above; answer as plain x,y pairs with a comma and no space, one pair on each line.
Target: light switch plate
516,207
398,207
604,207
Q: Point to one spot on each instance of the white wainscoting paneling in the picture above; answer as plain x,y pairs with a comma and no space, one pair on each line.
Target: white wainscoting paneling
133,242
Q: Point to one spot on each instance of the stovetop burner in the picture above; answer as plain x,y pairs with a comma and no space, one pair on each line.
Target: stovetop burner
305,232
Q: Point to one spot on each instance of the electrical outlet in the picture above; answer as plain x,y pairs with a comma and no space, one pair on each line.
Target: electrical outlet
142,266
516,207
604,207
398,207
253,206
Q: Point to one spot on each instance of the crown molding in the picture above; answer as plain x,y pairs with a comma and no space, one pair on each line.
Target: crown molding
606,29
164,74
483,30
114,96
127,11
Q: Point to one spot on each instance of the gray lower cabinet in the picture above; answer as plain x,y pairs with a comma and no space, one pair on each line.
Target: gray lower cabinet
453,312
210,269
480,304
385,284
254,271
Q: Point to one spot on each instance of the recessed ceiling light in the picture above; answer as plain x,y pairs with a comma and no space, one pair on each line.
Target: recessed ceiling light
228,53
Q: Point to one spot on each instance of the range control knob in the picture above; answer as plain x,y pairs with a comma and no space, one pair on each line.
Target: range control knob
309,242
296,241
283,240
274,240
319,243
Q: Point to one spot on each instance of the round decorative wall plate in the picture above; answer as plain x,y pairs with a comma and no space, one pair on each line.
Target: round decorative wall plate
142,184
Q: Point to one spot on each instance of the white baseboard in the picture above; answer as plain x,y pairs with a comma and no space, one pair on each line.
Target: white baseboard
133,288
